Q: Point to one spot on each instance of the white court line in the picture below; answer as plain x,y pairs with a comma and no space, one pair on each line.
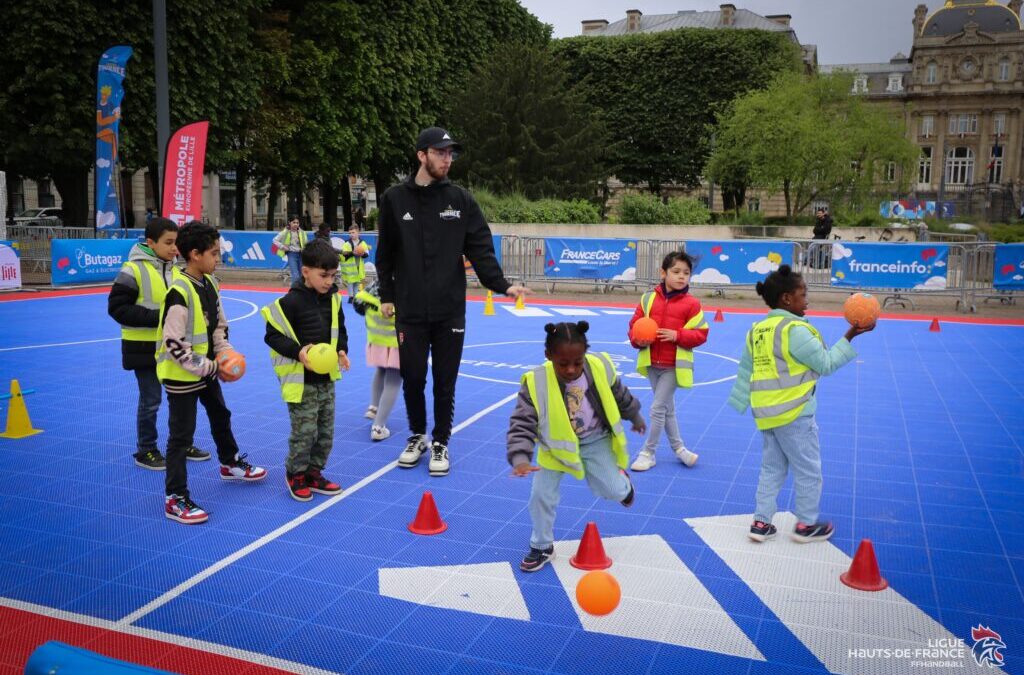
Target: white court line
287,527
87,342
166,638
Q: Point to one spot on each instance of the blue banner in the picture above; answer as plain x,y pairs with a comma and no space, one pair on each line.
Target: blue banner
913,266
914,209
81,261
1008,273
737,262
613,259
109,92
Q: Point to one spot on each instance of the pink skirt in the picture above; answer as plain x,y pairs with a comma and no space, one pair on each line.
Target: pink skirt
381,357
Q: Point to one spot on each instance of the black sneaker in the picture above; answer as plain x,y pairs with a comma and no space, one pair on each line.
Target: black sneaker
196,455
762,531
805,534
536,559
151,459
628,501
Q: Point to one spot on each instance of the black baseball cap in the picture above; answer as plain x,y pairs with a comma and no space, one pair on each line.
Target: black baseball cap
437,138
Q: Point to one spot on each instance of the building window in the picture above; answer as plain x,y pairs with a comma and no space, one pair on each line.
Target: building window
999,124
45,193
895,83
261,204
1004,70
931,73
924,166
890,172
964,123
960,166
927,125
860,84
995,164
16,195
753,205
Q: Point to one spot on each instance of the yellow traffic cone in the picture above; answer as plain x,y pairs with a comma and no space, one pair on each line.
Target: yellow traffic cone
489,304
520,302
18,423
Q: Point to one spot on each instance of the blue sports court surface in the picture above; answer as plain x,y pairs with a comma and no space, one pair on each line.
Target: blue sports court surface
923,452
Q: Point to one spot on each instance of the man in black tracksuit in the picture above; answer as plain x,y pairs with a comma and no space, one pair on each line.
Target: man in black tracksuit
427,224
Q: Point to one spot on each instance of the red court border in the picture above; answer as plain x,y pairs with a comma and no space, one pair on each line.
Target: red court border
948,318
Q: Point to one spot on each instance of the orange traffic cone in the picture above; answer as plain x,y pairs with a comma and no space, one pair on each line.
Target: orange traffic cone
718,316
428,520
590,555
935,326
863,573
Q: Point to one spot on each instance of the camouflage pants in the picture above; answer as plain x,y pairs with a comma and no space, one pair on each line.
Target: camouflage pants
312,436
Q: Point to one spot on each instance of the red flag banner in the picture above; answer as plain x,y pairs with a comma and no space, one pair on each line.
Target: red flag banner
183,173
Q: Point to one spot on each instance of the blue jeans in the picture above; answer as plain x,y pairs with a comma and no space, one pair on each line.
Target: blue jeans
602,474
295,265
663,410
792,446
150,393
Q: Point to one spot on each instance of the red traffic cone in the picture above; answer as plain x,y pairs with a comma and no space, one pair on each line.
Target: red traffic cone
863,573
590,555
935,326
718,316
428,520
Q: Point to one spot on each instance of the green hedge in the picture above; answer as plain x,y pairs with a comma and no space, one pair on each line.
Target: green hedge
519,209
651,210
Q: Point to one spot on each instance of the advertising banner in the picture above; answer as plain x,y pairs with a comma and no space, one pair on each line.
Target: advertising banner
914,209
1009,267
109,93
736,262
10,265
183,173
606,259
913,266
80,261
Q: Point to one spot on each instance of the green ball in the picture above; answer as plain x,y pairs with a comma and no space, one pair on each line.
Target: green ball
322,358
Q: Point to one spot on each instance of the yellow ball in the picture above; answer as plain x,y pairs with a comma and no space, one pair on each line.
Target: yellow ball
322,358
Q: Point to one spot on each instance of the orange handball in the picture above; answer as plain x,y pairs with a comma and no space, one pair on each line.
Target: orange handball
645,329
231,366
598,593
861,310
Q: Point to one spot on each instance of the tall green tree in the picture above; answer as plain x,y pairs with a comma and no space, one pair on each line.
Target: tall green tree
659,92
526,131
811,139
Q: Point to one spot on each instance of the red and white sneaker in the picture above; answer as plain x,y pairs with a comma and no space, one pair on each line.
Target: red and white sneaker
241,470
317,483
184,510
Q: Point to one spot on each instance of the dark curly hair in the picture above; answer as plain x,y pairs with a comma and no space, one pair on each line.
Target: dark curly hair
196,236
566,333
782,280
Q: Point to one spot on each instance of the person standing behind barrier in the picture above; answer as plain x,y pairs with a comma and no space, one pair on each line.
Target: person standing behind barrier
134,302
353,256
426,225
822,230
783,358
289,243
667,361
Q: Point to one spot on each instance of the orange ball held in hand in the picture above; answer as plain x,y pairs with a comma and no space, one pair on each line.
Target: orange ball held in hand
232,366
598,593
645,329
861,310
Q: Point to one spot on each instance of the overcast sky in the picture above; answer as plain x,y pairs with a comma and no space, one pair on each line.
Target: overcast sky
846,31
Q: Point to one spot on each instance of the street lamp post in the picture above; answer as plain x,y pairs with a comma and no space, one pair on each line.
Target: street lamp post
163,115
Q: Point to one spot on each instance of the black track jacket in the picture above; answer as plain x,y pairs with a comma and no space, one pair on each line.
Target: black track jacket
423,234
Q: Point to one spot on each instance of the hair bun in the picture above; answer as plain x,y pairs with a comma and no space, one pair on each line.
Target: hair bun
550,328
582,326
759,287
785,270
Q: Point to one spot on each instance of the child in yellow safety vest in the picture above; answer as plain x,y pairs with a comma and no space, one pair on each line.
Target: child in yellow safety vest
572,407
381,354
783,358
354,253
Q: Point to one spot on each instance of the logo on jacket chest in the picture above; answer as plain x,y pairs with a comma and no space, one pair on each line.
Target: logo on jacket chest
450,214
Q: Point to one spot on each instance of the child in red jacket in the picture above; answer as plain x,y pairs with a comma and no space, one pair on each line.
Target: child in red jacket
668,361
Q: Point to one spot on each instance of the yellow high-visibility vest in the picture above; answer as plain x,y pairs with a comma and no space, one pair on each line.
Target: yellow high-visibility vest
290,372
780,386
352,268
152,289
380,330
166,367
286,241
684,357
558,445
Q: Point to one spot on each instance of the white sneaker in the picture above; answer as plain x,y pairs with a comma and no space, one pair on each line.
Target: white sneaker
685,456
414,449
371,413
643,461
379,433
438,459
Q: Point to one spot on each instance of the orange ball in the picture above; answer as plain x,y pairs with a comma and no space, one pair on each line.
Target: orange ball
645,329
861,310
598,593
231,366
